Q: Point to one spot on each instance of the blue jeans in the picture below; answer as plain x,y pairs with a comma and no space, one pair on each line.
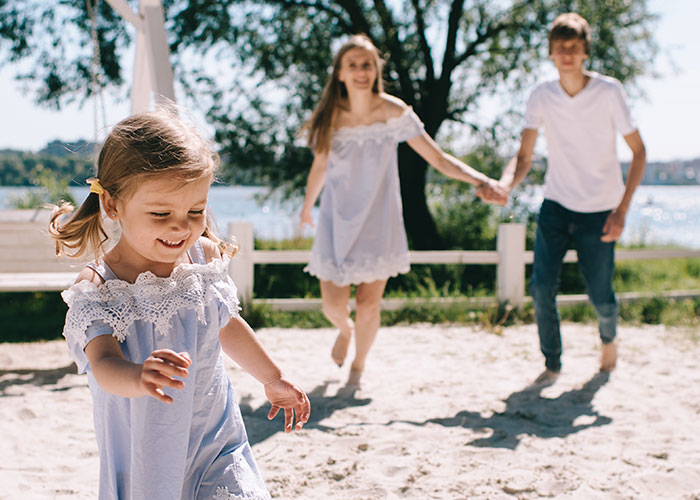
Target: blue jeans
557,230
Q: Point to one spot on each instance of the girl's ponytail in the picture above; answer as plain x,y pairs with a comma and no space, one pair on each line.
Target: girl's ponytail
82,231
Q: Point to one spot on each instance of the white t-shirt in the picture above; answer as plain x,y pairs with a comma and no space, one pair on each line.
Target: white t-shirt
583,172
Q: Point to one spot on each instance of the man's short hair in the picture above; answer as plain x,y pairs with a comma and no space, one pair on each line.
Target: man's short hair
570,26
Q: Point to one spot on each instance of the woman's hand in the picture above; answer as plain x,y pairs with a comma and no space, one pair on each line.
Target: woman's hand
283,394
159,370
306,218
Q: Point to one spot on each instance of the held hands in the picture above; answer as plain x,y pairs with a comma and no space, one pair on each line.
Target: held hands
283,394
614,225
158,372
491,191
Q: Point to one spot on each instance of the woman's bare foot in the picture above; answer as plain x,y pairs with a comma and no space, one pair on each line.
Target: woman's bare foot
608,357
340,348
354,377
546,378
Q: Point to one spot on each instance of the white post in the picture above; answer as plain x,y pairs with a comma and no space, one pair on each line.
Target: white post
141,85
161,72
510,272
241,266
152,70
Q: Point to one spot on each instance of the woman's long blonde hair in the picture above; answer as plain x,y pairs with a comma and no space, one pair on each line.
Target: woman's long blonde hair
141,147
318,128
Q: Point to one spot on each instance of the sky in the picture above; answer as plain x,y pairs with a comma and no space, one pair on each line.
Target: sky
667,117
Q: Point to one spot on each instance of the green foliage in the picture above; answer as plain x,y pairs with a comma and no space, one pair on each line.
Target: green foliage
657,275
260,316
284,280
657,310
19,168
26,317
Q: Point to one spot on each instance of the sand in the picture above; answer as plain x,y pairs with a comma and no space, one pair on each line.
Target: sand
444,413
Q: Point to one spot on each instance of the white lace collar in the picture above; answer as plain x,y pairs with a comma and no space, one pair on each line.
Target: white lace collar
151,298
376,131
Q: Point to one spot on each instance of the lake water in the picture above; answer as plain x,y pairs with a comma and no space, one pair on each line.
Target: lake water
659,214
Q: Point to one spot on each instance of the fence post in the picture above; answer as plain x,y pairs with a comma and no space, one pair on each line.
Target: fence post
510,271
241,266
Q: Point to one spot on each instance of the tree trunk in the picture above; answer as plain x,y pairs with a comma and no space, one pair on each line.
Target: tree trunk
420,227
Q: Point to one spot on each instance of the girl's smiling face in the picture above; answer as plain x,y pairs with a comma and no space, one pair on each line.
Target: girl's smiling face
358,69
160,221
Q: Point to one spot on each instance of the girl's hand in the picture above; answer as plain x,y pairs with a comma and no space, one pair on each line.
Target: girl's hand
284,394
306,218
160,368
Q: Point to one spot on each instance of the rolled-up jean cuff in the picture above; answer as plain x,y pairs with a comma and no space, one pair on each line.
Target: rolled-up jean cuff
553,365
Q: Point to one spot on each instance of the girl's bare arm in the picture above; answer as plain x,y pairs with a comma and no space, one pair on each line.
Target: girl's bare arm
117,375
241,344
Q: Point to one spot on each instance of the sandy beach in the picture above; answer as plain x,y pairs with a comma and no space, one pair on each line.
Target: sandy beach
444,413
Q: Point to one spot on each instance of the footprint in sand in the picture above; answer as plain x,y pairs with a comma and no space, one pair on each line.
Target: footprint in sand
26,414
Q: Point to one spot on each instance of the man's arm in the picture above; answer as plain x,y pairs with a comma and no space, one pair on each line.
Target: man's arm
616,220
518,167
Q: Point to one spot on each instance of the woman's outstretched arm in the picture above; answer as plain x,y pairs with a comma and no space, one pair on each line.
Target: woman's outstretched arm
426,147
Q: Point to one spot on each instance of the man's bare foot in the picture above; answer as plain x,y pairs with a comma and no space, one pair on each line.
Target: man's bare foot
546,378
608,357
340,348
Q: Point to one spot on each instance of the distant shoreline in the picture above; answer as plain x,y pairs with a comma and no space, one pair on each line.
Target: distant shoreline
659,215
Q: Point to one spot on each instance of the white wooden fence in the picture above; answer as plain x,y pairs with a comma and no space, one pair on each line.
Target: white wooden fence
510,258
28,263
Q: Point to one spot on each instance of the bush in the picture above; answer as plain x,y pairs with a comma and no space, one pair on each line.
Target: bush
26,317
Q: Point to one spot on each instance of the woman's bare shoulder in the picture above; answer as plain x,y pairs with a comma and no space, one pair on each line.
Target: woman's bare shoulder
394,106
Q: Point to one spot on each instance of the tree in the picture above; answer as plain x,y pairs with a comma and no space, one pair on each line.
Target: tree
258,66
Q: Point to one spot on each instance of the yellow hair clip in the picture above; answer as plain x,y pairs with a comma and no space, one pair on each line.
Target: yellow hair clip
95,186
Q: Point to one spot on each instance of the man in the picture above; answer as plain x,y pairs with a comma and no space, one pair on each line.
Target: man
585,200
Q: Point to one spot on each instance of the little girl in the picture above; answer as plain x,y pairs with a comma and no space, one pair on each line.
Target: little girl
149,320
354,132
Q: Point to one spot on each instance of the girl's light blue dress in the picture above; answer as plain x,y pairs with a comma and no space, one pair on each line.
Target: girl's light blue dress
360,236
197,447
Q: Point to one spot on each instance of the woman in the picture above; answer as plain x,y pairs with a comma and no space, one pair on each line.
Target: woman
360,240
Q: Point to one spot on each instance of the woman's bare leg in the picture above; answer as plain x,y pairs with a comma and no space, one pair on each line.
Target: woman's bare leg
368,298
337,309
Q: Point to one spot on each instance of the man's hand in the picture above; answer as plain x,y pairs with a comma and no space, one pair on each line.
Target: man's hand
614,225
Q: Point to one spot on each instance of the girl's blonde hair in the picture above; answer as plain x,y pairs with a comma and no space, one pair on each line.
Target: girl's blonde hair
141,147
318,128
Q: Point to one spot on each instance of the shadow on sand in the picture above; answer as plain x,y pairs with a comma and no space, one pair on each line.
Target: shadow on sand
259,428
10,378
528,412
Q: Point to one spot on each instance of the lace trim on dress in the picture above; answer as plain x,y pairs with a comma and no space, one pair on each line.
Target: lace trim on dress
371,269
151,298
394,127
222,493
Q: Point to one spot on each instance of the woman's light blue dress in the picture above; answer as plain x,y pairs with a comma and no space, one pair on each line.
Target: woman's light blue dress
197,447
360,236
